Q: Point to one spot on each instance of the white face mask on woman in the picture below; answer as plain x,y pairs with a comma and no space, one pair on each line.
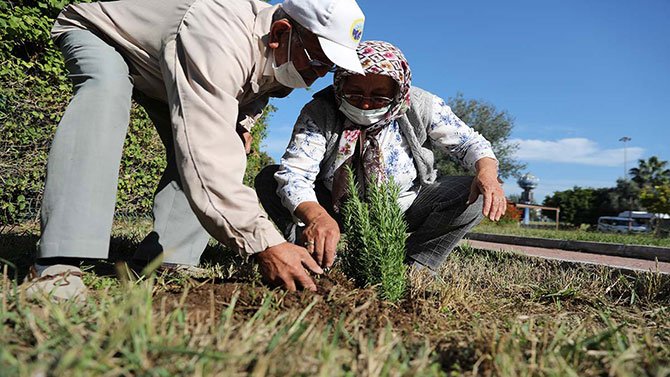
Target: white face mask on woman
286,73
363,117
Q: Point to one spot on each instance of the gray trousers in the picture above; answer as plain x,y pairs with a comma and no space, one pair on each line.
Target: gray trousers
82,169
437,219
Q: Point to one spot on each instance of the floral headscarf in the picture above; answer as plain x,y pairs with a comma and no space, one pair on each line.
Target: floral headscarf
381,58
359,147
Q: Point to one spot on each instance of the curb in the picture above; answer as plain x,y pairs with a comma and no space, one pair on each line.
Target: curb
662,254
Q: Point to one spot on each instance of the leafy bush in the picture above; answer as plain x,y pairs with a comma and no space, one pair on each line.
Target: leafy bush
512,215
579,205
258,159
657,200
376,233
34,90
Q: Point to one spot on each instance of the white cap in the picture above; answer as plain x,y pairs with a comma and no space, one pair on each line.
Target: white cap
337,23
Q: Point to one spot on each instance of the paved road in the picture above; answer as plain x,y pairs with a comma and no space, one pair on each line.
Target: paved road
574,256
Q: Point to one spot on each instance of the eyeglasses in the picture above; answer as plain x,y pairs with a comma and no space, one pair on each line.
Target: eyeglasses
314,63
376,101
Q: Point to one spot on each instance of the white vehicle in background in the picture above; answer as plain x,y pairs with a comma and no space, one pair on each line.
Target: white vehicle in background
616,224
641,217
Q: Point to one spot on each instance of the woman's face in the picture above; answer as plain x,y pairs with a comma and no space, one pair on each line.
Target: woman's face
368,92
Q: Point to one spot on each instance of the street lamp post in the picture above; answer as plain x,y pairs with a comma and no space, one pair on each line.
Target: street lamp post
625,140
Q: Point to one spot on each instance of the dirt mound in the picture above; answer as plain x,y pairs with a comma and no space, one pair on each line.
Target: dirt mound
336,297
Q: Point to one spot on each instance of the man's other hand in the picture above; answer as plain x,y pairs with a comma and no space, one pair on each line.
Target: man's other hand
286,265
246,137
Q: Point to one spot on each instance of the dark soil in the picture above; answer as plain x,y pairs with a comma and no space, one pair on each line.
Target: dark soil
335,297
416,320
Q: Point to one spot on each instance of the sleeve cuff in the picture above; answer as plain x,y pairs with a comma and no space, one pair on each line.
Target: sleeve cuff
269,237
472,159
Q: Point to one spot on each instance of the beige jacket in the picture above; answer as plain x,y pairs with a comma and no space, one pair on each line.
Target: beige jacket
209,61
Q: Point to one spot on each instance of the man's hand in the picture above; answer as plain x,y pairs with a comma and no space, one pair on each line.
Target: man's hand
487,184
246,137
284,265
321,233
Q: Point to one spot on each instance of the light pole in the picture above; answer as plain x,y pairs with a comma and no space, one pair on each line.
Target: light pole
625,140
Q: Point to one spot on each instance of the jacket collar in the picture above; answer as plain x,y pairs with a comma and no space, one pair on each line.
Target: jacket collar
263,74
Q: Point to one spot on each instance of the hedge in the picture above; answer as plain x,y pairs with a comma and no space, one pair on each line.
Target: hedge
34,91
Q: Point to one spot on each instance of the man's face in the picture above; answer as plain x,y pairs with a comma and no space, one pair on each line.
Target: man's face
304,45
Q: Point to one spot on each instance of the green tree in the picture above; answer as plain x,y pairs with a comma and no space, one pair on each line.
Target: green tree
652,172
625,196
577,205
656,199
584,205
495,125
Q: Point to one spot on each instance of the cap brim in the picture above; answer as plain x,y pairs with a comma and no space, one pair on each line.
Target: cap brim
343,56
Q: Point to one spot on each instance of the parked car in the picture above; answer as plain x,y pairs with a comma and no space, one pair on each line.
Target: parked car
613,224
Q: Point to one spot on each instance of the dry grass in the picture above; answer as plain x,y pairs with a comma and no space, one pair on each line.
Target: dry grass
491,313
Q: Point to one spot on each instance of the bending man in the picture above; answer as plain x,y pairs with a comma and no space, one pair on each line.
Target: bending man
204,70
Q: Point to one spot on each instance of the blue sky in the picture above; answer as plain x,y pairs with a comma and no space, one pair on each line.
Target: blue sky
575,75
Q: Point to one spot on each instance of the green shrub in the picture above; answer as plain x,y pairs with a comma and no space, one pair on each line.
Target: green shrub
34,90
376,233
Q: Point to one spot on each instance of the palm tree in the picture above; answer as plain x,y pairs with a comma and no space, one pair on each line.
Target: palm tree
652,172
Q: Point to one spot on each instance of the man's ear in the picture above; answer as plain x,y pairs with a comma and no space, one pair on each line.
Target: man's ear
277,29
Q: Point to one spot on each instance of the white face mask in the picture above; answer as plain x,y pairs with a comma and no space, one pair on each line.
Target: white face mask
286,73
363,117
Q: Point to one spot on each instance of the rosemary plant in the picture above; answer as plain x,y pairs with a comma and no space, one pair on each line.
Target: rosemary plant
376,233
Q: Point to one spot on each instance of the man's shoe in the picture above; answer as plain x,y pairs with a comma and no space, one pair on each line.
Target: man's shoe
59,282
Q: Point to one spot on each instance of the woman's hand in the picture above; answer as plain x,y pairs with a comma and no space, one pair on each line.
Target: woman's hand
487,184
321,234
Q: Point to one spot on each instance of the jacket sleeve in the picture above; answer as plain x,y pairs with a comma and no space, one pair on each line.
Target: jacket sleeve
251,112
456,138
204,74
300,163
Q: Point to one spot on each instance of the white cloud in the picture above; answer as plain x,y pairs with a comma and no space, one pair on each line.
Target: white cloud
573,151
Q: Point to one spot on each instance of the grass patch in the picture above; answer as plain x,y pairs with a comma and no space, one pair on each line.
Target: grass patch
575,235
491,314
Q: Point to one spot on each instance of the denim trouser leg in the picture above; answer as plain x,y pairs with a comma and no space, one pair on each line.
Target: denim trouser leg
177,233
82,170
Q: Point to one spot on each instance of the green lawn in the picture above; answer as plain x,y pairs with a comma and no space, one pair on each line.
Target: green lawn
579,235
490,314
